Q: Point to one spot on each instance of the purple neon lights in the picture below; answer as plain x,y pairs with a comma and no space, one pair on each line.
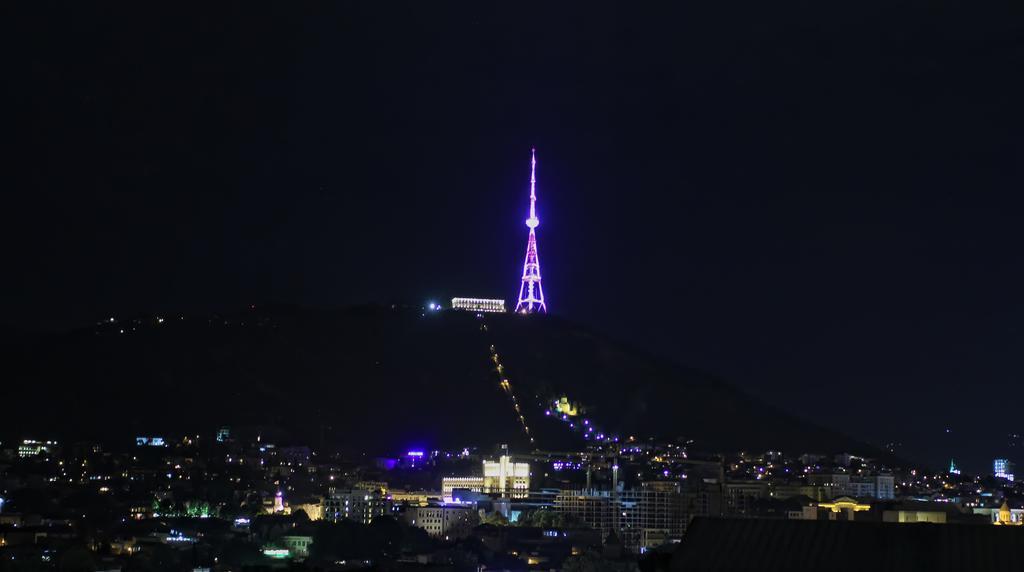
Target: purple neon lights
586,427
531,295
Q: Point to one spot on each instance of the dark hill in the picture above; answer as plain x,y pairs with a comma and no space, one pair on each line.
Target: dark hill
373,379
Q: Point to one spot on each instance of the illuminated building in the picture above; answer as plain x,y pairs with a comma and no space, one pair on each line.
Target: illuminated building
33,448
412,498
843,508
506,478
1004,515
953,470
223,434
565,407
915,516
450,484
901,512
1003,469
845,484
358,505
141,510
374,486
531,295
642,518
279,502
314,510
502,477
1007,516
150,442
478,305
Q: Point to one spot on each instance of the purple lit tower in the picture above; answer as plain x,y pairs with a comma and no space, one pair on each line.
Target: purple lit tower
531,295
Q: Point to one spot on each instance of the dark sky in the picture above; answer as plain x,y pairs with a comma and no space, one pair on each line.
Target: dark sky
817,200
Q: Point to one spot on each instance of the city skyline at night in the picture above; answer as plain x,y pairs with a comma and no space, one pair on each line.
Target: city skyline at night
258,312
819,214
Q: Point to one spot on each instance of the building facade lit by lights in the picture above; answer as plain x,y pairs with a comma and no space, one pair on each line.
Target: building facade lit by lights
843,508
506,478
314,508
531,294
148,441
411,498
1003,469
478,305
359,505
566,407
1007,516
643,518
33,448
857,486
449,486
502,477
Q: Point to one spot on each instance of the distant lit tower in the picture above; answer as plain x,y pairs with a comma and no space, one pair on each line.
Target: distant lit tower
531,295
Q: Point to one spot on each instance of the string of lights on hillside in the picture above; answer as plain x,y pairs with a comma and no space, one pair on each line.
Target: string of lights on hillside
560,409
506,386
568,413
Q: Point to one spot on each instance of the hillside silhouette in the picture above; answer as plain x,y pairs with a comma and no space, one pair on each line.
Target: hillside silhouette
375,379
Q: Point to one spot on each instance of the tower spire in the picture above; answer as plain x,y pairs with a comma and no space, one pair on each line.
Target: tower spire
533,189
531,295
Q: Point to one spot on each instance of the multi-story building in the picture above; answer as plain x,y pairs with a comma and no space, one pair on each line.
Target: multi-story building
643,518
380,486
450,484
502,477
703,499
844,484
32,448
358,505
595,508
412,498
506,478
314,508
1003,469
443,521
297,544
740,496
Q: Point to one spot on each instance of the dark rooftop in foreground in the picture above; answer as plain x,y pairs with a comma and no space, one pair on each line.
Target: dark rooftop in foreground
792,545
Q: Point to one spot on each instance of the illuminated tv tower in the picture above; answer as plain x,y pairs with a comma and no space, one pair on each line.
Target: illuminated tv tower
531,295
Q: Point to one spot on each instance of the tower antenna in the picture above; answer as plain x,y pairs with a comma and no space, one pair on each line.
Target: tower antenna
531,295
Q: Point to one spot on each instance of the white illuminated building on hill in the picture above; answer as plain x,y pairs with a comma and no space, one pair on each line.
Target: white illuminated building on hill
502,477
478,305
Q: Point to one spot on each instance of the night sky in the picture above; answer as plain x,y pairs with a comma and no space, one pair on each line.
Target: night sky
819,203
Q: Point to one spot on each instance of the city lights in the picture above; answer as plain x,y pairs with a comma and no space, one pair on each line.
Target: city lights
259,312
